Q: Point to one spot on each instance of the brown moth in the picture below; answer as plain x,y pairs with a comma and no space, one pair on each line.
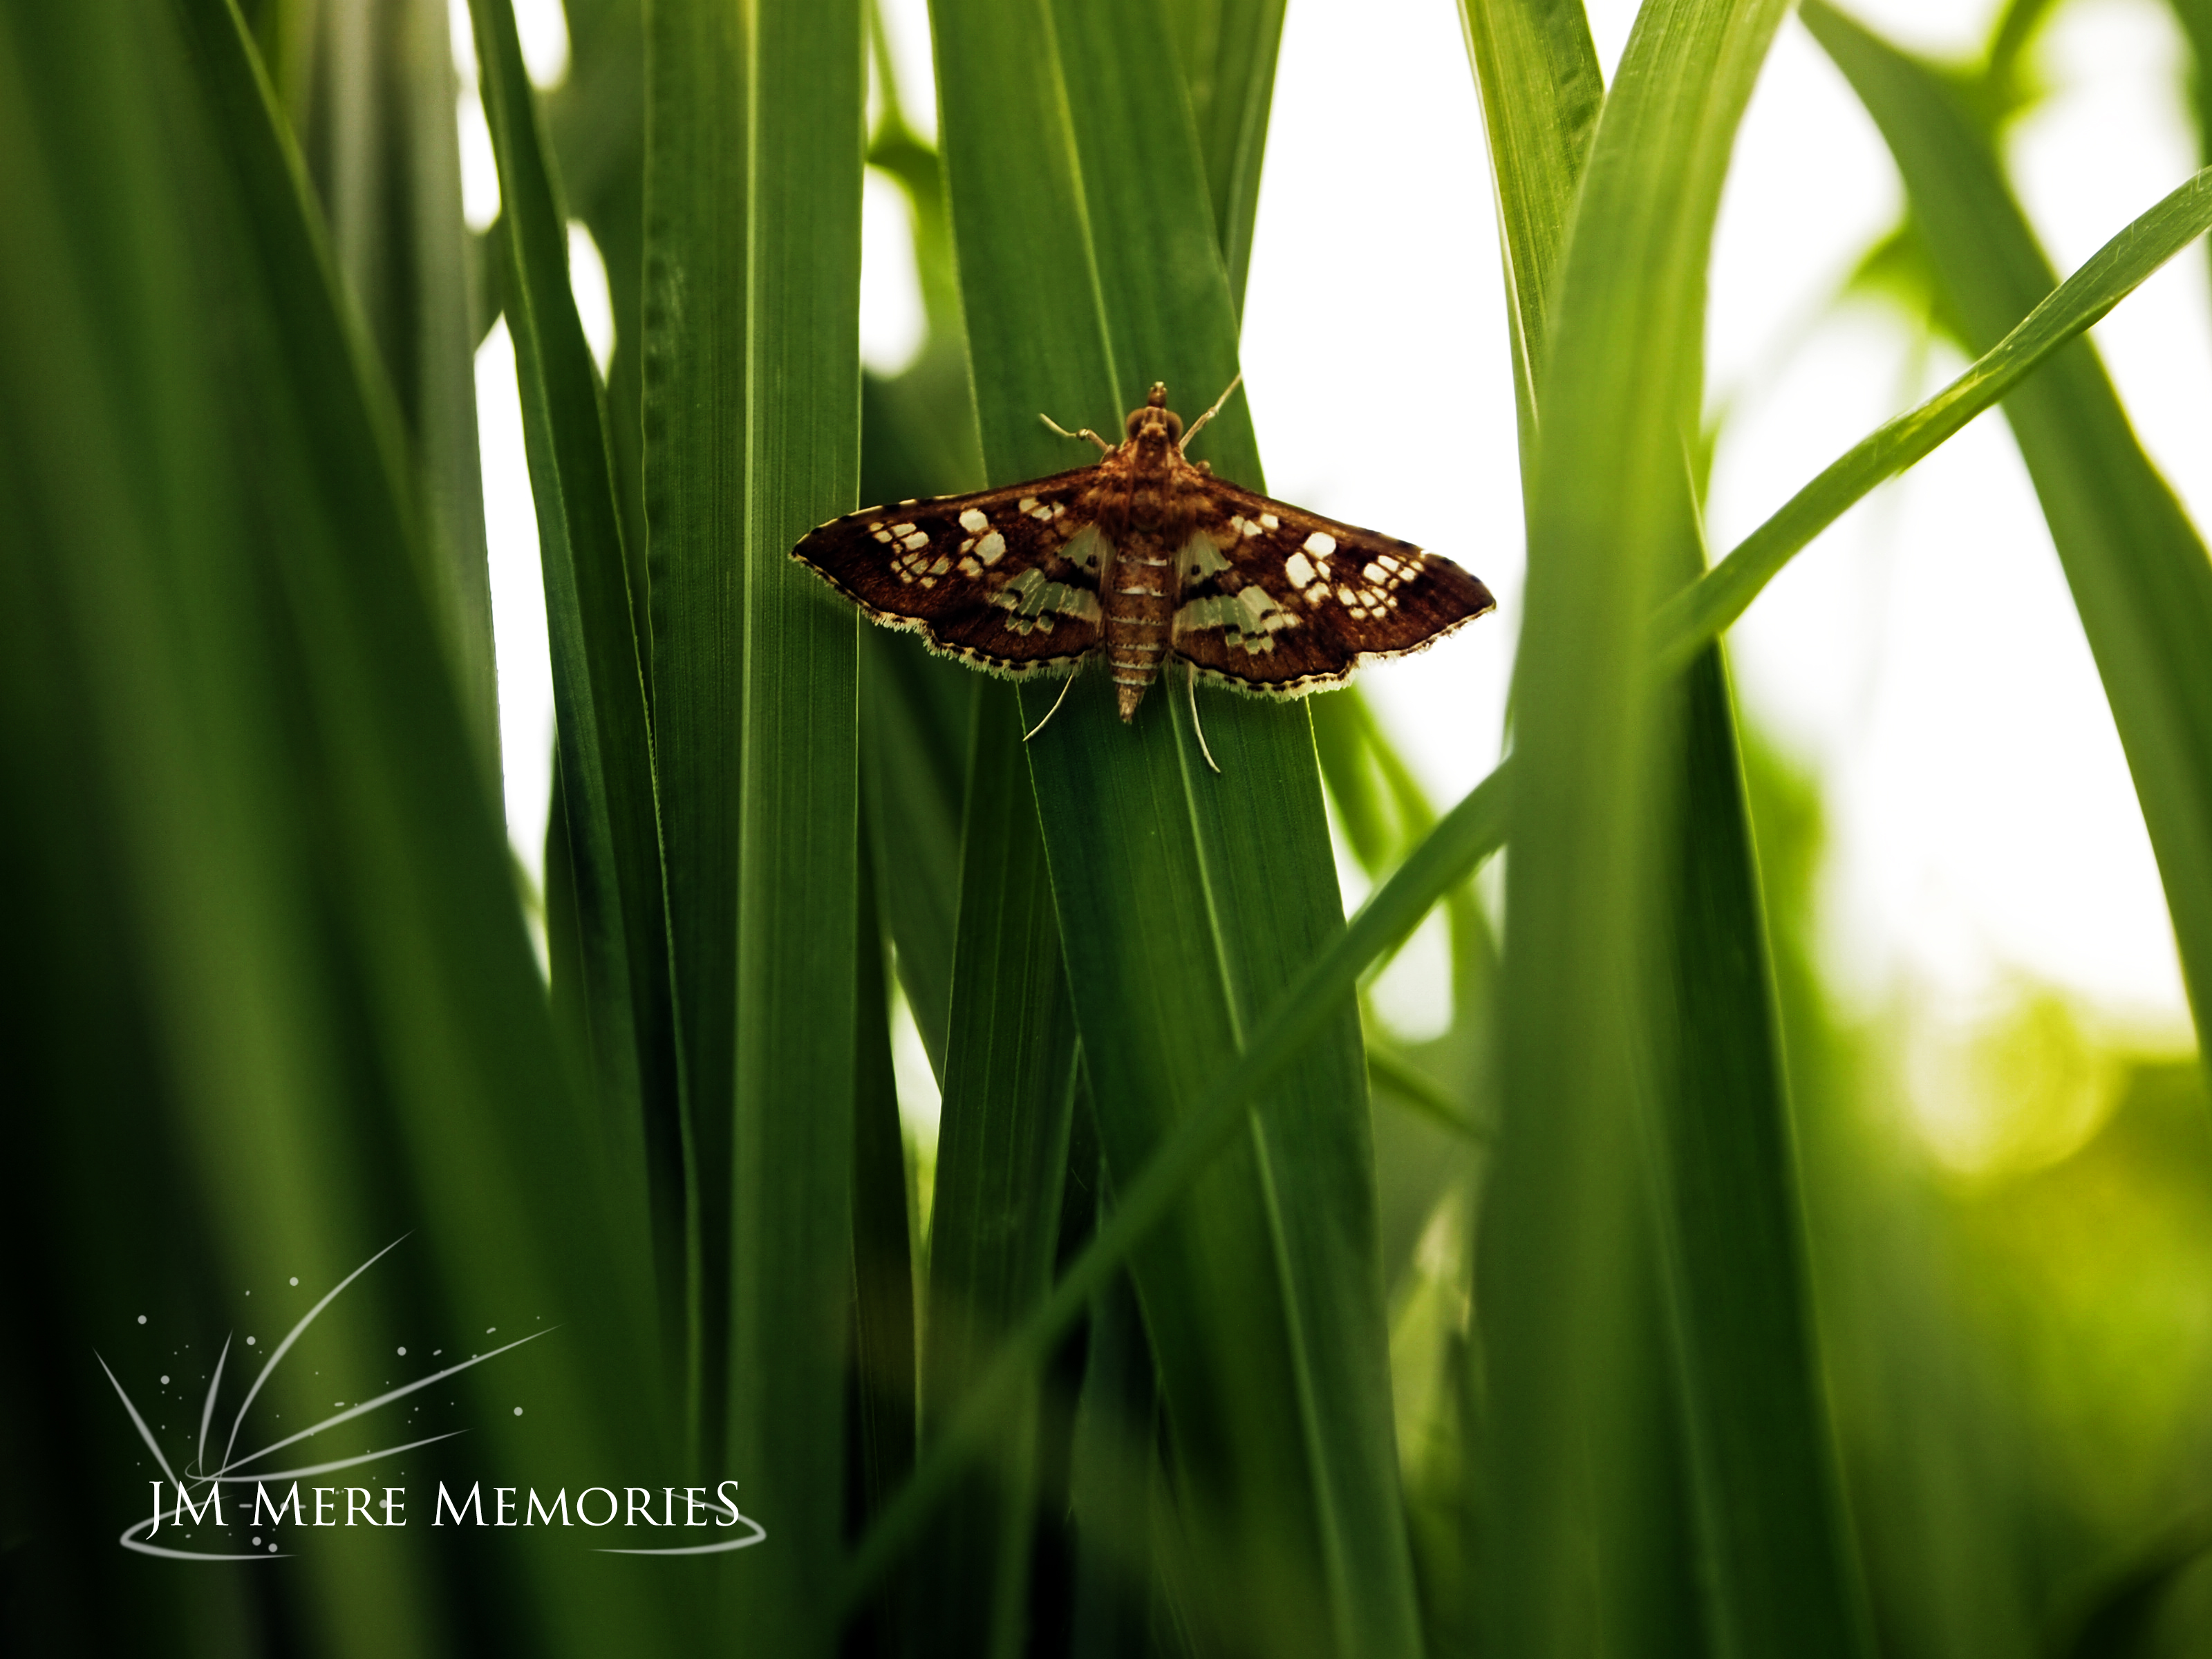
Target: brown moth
1144,556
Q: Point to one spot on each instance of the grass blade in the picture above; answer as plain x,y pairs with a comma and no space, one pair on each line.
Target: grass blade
1562,1275
1184,901
695,418
598,693
799,805
1002,1154
2137,568
1228,49
1542,90
1778,1572
384,148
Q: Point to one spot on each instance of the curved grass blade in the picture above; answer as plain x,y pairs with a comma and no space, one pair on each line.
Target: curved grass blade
2136,566
1702,611
604,742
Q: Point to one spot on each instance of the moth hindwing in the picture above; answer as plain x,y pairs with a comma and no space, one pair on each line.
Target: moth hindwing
1144,557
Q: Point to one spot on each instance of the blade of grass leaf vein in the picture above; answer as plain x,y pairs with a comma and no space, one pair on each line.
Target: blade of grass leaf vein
2137,567
799,805
598,692
1001,1157
340,1020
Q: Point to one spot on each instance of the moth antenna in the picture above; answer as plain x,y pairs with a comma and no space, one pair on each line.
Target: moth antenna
1199,425
1055,710
1104,448
1190,684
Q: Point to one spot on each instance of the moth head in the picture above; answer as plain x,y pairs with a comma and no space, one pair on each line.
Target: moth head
1155,417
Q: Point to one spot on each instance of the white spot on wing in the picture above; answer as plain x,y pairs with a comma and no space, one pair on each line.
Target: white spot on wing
1321,543
973,522
990,547
1298,570
1269,521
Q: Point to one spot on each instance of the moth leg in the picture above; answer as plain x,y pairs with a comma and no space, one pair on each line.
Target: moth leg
1104,448
1056,702
1190,684
1199,424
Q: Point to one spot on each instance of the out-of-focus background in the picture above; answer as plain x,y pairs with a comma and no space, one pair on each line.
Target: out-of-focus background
2007,1155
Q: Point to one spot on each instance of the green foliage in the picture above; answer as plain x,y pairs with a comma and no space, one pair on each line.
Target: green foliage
1193,1351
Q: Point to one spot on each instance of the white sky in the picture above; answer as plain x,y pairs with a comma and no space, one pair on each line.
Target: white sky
1924,657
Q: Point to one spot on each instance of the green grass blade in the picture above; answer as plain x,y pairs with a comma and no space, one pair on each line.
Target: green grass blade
695,355
1001,1155
1228,49
596,120
598,694
1184,901
1542,90
1562,1273
310,1017
799,805
1699,613
2137,567
384,153
1777,1571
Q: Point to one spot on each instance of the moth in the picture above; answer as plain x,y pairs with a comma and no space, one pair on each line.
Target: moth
1143,558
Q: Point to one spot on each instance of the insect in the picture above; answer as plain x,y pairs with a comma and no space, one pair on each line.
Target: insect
1144,557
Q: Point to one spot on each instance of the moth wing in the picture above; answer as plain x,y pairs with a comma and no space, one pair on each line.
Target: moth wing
1282,601
1005,579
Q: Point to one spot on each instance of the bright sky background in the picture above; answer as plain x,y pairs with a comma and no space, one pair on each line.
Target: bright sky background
1924,657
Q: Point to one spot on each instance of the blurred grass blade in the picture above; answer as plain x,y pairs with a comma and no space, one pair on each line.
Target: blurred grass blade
1701,612
595,120
1468,834
2137,567
994,1221
1541,91
598,694
269,981
804,86
383,145
1227,49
